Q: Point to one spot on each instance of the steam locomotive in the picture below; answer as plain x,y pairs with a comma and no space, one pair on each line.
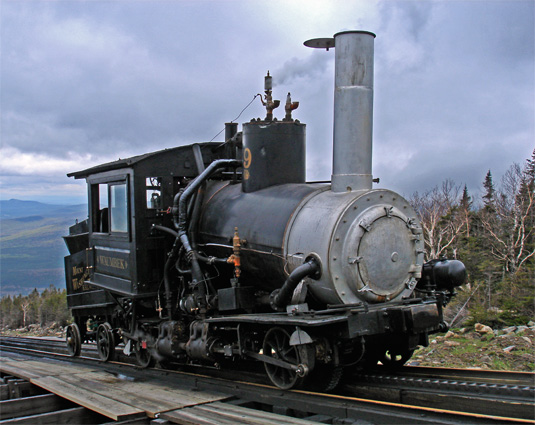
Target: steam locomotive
215,253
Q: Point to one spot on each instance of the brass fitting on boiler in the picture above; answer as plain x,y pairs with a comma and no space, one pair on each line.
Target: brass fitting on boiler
235,257
269,103
289,107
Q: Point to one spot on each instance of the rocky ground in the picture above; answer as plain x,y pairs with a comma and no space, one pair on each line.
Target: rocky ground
512,348
35,330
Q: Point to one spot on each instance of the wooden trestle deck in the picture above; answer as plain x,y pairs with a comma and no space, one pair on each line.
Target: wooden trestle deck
122,400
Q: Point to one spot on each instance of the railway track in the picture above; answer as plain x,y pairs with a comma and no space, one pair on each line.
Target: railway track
410,395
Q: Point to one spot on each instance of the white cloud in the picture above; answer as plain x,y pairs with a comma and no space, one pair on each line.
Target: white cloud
15,162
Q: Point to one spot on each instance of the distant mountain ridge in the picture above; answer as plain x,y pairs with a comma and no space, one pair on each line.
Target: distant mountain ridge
31,244
15,208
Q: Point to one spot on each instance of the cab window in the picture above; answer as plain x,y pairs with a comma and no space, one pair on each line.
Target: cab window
154,192
118,208
109,207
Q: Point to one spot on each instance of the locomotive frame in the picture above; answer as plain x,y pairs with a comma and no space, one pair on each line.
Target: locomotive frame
219,252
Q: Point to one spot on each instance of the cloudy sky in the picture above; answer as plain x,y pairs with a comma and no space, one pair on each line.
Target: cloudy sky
86,82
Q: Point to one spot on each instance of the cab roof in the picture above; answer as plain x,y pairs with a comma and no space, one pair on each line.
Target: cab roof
136,160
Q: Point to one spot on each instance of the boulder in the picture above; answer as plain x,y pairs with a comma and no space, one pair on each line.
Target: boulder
509,349
483,329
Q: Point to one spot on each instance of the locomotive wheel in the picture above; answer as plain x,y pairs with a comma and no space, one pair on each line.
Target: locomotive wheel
105,342
277,345
143,356
395,358
74,340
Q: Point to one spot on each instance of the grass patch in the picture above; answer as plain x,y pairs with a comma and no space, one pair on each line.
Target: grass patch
472,350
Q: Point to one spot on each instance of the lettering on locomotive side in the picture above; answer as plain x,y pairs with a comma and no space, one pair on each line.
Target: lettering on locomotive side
116,263
79,278
77,270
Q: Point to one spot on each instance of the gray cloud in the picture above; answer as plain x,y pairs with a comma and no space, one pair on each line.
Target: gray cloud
466,107
88,82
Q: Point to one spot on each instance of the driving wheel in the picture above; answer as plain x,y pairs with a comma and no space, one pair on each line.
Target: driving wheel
74,340
277,345
105,342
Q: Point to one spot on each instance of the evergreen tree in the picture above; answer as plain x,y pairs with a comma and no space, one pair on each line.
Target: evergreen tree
466,200
488,198
8,314
35,303
465,207
530,166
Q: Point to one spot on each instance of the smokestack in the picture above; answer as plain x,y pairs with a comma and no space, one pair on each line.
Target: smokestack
353,108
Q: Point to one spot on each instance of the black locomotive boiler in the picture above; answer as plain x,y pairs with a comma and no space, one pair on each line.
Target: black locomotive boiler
214,253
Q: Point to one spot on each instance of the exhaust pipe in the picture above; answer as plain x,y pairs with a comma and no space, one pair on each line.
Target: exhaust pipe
353,109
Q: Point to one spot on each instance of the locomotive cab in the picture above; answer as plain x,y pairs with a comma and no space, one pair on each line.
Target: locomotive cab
126,199
115,253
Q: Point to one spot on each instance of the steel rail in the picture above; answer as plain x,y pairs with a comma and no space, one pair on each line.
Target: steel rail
497,385
405,374
481,375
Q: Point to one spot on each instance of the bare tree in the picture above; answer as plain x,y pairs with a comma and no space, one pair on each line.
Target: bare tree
25,307
442,222
510,227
